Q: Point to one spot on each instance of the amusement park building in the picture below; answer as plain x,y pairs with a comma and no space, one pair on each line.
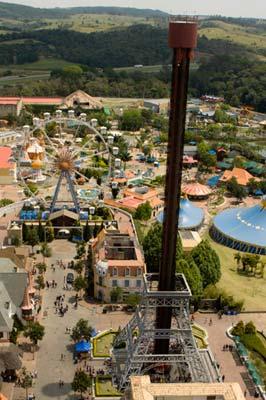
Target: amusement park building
14,105
242,229
118,262
242,176
143,389
8,170
190,216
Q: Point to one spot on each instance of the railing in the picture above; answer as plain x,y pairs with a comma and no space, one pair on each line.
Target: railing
12,207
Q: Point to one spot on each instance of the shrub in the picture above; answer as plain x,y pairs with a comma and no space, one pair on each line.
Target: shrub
250,328
239,329
254,343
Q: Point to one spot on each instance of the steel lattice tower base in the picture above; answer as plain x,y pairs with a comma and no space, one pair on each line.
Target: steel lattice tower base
133,349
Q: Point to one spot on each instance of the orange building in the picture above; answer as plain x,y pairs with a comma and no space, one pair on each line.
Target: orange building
118,263
242,176
139,195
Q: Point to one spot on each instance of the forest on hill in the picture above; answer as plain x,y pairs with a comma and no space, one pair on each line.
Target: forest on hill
17,11
229,60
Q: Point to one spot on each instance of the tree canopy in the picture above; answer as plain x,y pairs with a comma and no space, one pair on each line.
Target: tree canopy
208,263
81,382
132,120
81,330
35,331
192,274
143,212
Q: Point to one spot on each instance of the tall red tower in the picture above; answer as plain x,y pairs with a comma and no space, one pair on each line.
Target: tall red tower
182,39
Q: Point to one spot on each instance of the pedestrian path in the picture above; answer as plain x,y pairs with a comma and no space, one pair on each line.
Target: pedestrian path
230,366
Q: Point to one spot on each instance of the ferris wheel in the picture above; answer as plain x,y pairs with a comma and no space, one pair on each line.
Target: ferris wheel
66,149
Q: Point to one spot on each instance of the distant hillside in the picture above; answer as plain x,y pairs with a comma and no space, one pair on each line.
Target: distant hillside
16,11
137,44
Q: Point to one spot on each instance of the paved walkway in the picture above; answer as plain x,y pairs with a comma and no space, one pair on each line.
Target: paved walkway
56,342
230,365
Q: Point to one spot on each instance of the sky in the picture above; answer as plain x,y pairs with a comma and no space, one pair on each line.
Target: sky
235,8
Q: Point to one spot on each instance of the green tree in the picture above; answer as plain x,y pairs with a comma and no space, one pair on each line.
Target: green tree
208,263
41,268
90,271
49,232
239,329
147,115
5,202
235,189
81,250
26,380
152,247
40,232
207,160
250,328
40,282
51,128
192,274
116,294
46,251
32,237
132,300
253,185
81,330
80,283
78,266
125,156
35,331
115,192
96,230
16,241
81,382
143,212
87,234
25,232
132,120
71,73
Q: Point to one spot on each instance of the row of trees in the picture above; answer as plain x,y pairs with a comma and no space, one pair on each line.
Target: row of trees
201,267
34,235
251,264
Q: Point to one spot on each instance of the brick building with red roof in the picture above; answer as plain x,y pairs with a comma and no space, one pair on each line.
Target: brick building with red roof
14,105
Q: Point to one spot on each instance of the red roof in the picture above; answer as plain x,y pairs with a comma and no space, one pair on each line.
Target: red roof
196,189
130,202
5,154
42,100
31,100
8,102
242,176
189,160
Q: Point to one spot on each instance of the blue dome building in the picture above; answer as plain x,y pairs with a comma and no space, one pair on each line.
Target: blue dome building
242,229
190,216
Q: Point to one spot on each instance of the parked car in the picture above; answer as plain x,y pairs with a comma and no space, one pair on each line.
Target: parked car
70,278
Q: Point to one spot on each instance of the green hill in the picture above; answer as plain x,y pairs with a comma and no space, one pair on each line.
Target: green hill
16,11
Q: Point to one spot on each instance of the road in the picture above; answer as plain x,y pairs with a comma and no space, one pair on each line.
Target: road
56,342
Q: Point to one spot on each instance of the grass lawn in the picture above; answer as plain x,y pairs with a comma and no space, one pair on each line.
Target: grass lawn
46,64
249,288
104,387
234,33
103,343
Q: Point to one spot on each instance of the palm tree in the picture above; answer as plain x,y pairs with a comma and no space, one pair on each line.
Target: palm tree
237,257
125,157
